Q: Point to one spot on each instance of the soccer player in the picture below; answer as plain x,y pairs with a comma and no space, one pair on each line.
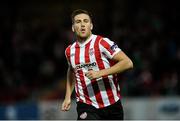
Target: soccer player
94,62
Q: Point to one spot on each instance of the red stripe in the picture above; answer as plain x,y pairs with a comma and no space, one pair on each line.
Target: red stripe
84,87
106,45
101,66
68,52
77,54
87,60
97,93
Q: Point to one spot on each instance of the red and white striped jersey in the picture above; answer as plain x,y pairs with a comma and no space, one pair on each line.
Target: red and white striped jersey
94,54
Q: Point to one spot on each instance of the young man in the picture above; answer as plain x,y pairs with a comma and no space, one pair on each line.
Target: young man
94,62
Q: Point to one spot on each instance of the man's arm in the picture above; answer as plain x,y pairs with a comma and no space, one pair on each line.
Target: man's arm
69,89
123,63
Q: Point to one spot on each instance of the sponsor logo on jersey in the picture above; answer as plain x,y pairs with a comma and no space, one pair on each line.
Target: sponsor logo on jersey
87,66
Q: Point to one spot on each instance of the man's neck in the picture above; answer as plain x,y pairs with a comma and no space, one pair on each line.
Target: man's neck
82,40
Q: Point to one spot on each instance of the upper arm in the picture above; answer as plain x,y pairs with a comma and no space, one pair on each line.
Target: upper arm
70,68
120,56
70,73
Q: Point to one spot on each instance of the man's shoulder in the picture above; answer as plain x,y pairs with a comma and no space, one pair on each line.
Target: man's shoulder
98,35
101,36
70,45
68,48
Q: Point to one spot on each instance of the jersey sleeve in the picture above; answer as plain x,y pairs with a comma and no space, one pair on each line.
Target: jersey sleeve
67,54
109,48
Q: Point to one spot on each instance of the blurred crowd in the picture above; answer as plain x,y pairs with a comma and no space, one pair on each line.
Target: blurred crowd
33,65
150,37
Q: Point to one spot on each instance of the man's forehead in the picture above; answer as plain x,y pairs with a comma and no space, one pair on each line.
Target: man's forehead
82,16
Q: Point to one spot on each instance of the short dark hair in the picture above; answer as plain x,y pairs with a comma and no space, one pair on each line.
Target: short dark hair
80,11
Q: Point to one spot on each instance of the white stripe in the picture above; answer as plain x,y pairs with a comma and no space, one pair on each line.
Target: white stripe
81,61
72,52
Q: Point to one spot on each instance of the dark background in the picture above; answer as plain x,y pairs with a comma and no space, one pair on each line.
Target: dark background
34,35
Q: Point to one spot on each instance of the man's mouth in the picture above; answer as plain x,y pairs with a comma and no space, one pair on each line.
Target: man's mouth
83,30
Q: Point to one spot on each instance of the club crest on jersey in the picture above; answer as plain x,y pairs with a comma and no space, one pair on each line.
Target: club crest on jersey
114,47
91,51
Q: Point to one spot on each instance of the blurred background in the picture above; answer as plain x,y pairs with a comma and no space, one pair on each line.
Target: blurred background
34,35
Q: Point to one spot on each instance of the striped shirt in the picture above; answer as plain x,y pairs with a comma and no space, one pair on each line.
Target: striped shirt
94,54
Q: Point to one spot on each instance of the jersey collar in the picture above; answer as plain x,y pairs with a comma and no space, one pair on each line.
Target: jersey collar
86,41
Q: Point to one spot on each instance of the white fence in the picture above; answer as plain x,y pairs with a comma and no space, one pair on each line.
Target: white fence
134,108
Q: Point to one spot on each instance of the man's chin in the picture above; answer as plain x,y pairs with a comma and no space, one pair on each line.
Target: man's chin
83,36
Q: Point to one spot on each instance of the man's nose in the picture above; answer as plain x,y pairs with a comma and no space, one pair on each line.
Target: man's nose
82,24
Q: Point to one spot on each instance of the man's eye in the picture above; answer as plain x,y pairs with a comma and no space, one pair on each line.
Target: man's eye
86,21
78,21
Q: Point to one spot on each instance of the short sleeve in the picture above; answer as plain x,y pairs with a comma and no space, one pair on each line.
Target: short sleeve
109,47
67,54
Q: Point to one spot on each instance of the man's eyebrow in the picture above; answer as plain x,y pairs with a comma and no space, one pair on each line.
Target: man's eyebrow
78,20
82,20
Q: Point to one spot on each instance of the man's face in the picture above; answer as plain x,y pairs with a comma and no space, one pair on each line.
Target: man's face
82,25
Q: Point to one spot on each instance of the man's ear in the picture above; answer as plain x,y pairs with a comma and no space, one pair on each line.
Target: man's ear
91,26
72,28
